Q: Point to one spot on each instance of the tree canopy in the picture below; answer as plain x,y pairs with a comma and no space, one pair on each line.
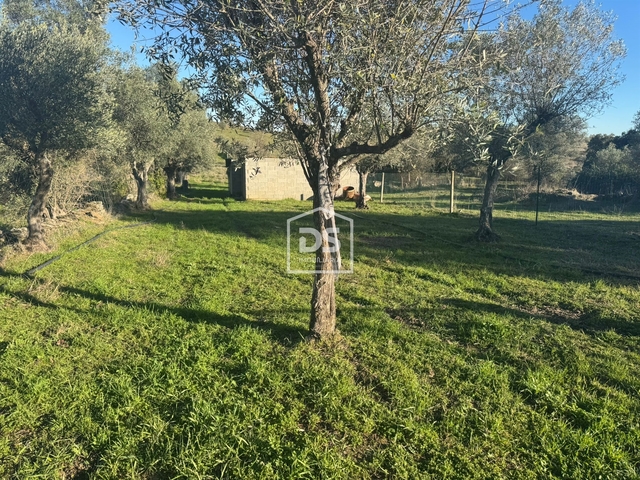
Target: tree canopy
52,97
559,65
322,68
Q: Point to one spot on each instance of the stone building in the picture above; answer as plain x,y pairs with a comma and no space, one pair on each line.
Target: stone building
274,179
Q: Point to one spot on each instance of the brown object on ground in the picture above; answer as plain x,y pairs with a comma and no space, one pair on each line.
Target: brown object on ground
348,192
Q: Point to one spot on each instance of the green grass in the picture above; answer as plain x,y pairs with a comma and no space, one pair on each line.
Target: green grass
511,199
176,350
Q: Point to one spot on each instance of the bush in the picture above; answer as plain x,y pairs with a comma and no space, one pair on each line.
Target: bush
611,171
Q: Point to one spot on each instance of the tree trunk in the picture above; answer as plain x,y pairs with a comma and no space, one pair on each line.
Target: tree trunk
323,300
485,232
452,197
141,176
362,201
180,178
171,182
37,207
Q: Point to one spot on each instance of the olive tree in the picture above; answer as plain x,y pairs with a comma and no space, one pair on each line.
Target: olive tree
189,142
84,14
560,64
321,68
190,146
144,126
553,153
52,99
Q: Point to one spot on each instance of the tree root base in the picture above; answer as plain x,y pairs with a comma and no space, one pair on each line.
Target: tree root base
330,339
36,245
487,236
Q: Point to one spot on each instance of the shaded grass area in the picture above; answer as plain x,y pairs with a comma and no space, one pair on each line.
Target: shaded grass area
176,350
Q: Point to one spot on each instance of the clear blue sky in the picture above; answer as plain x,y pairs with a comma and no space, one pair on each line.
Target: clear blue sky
618,117
615,118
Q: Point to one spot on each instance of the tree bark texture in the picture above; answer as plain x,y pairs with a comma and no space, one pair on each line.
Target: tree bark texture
141,175
171,182
323,299
362,201
485,231
37,207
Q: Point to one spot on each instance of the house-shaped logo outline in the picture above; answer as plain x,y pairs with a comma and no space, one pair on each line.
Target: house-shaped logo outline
328,214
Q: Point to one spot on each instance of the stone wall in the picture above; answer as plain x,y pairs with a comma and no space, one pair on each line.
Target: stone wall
276,179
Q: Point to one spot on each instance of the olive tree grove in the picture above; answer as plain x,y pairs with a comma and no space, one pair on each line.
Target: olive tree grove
321,67
560,64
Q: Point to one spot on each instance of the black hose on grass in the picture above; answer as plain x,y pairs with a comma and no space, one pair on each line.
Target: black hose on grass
30,273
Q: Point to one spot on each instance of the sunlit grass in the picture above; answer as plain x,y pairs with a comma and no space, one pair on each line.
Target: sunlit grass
176,350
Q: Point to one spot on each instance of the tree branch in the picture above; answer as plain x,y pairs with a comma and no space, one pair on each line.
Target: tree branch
367,149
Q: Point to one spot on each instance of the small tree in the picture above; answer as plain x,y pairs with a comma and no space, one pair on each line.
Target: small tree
190,146
322,68
553,152
189,141
51,101
558,65
145,127
612,162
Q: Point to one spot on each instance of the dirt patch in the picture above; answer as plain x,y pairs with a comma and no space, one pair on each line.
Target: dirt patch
388,242
406,317
551,312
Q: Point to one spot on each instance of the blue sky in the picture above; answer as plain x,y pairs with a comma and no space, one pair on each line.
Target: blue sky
618,117
615,118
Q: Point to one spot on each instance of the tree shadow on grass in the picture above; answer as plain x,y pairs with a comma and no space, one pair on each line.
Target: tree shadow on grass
580,250
286,335
590,323
203,192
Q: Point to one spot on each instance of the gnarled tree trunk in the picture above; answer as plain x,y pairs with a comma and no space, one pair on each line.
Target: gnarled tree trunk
362,179
141,175
323,299
37,207
485,231
171,181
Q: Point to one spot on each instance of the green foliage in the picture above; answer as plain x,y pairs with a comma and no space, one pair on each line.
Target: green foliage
556,149
238,144
345,79
544,74
52,95
612,171
192,146
16,187
137,112
185,358
612,164
158,183
84,14
561,63
188,144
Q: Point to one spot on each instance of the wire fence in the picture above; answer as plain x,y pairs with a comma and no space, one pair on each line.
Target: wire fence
514,198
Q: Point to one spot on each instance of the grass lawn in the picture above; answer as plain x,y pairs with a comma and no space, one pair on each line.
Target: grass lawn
176,350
